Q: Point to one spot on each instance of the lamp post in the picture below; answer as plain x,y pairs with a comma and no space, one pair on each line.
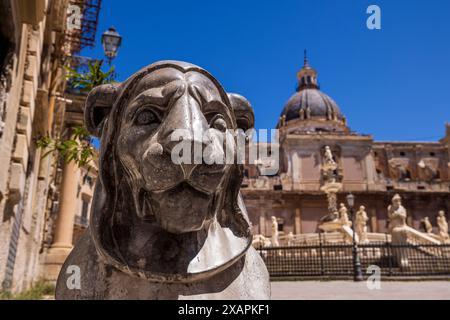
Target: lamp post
111,41
357,272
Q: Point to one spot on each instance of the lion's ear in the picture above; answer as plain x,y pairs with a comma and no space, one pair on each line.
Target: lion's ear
243,111
98,106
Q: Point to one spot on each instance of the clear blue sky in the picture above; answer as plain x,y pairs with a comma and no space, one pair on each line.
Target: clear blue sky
393,83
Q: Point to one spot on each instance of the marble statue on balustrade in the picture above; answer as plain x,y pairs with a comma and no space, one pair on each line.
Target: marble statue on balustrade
427,225
275,234
443,226
361,224
396,214
398,229
162,229
290,239
259,241
343,216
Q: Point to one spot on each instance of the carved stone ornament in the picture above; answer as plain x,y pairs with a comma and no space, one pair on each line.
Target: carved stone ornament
361,224
427,225
275,234
343,215
443,226
328,155
399,169
428,169
397,214
161,230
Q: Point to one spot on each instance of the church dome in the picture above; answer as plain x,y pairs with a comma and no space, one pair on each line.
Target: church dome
311,103
309,109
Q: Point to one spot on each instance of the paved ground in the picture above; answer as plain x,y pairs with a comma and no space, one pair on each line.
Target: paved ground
336,290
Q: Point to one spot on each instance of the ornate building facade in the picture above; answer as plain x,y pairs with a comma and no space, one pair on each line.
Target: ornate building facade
35,45
373,171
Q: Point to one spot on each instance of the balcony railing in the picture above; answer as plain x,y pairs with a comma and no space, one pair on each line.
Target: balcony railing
81,221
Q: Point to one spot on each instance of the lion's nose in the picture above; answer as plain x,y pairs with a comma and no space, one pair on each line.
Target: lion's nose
185,125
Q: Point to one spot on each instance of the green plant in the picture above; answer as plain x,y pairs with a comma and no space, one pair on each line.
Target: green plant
91,79
77,148
37,292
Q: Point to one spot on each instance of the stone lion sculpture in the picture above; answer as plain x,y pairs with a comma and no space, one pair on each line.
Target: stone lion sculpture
161,230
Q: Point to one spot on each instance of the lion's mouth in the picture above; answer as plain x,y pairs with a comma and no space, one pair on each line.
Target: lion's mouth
182,184
151,203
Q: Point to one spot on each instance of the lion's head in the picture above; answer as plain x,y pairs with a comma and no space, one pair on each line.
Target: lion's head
152,217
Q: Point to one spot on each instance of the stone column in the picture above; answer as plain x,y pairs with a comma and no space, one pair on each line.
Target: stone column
262,224
62,241
298,222
373,220
369,166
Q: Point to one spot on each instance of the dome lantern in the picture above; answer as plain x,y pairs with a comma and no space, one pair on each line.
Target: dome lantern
309,109
307,76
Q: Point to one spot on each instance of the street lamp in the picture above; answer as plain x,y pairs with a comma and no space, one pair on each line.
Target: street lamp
111,41
357,272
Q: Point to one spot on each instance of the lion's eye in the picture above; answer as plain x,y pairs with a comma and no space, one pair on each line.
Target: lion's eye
219,124
146,117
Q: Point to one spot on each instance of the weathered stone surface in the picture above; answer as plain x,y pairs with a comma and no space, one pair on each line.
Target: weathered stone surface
158,229
243,280
20,153
17,178
28,95
24,122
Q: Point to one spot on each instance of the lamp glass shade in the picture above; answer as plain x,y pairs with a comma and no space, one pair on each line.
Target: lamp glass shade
111,41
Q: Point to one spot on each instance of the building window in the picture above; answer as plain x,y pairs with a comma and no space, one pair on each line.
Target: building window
82,219
402,154
432,154
280,224
85,209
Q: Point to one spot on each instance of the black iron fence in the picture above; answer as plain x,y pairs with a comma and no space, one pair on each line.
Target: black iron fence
336,260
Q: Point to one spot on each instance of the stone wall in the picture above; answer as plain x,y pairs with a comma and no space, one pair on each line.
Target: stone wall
25,176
